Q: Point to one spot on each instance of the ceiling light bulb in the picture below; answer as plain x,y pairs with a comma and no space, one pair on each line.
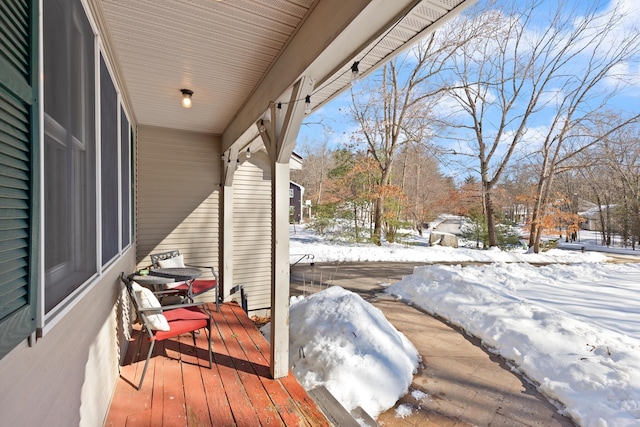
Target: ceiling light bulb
186,98
248,152
307,104
355,72
262,128
278,109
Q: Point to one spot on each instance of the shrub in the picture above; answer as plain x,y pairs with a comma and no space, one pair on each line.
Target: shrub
324,218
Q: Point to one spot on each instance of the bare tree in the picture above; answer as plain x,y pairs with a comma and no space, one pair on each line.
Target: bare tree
516,191
524,67
621,155
428,191
393,109
317,161
609,176
562,152
598,178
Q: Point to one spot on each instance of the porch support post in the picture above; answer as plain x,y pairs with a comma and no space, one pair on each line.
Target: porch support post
280,279
226,278
279,139
230,161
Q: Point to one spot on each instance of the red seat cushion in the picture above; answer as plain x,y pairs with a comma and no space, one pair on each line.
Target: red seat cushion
202,285
199,286
182,320
185,313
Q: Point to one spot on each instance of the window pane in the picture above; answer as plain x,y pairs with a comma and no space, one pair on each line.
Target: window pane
109,163
70,156
125,163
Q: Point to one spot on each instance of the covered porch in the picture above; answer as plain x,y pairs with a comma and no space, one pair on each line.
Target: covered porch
213,179
179,388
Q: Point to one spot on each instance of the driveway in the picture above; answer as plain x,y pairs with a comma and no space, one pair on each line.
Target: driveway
458,383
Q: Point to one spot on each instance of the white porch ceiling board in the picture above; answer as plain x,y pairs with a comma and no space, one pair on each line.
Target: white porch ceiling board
220,50
176,42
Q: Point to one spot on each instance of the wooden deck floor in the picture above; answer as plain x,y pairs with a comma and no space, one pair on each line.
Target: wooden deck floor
180,390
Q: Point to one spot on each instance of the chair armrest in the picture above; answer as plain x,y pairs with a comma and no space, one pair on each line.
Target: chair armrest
204,267
199,266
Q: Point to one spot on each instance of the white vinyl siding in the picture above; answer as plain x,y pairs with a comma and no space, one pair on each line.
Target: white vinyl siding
252,230
178,195
68,377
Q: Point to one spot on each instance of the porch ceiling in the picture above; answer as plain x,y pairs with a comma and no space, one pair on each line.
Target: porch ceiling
239,55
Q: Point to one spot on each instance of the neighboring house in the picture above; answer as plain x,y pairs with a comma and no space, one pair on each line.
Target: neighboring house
593,218
296,193
100,165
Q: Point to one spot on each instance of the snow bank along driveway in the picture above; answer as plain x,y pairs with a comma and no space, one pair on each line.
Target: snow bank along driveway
572,329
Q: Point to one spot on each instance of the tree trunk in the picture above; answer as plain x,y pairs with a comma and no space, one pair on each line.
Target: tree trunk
492,235
533,232
601,219
541,200
377,222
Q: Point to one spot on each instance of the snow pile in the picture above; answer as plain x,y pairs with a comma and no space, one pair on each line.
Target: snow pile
344,343
404,410
579,341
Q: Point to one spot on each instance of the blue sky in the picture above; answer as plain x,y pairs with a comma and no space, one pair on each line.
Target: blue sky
337,125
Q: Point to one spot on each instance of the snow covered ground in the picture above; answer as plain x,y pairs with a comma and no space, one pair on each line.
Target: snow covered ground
303,241
571,328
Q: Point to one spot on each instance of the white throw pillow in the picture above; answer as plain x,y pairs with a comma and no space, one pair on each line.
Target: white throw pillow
174,285
175,262
156,319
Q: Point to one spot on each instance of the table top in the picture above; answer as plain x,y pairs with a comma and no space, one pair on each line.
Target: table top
151,280
177,273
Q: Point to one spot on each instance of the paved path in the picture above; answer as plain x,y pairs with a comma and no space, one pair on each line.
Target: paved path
459,383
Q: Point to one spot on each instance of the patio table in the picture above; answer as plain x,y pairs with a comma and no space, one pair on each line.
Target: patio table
156,283
150,280
178,274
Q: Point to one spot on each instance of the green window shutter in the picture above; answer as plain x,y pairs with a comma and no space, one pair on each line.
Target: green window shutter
19,171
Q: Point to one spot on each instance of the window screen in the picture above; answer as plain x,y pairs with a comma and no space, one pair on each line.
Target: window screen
70,149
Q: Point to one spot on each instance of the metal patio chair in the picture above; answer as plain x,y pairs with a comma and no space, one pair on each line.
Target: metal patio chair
163,322
191,288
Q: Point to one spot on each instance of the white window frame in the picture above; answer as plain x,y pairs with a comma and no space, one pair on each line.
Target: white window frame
47,321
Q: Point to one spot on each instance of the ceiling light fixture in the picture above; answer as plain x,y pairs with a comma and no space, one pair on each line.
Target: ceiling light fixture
186,97
248,152
278,109
307,104
355,72
262,127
